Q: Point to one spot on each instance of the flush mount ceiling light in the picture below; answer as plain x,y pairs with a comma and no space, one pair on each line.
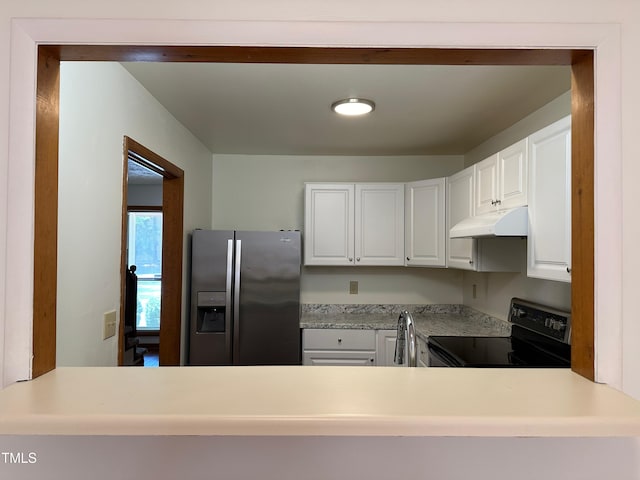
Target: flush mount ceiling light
353,106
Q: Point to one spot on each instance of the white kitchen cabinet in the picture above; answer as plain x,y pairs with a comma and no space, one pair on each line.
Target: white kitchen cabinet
500,254
386,347
425,223
501,180
354,224
549,241
329,224
460,205
338,347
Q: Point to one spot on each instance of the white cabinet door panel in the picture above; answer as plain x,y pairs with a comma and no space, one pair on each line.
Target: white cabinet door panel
486,188
328,235
379,224
549,241
512,172
425,222
460,205
386,348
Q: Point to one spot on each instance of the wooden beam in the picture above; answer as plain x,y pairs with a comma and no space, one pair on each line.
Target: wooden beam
46,212
582,214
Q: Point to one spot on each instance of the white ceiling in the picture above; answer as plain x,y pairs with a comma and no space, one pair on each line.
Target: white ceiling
284,109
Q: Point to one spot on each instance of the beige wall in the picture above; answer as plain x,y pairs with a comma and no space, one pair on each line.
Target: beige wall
99,104
494,290
266,192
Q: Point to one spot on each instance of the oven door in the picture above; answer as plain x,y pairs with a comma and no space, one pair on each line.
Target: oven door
439,357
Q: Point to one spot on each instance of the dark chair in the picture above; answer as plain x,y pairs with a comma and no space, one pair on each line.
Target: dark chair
133,354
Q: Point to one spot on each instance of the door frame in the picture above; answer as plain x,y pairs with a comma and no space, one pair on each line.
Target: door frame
172,247
580,60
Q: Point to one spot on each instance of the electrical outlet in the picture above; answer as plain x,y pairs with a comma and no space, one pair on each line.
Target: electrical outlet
353,287
109,326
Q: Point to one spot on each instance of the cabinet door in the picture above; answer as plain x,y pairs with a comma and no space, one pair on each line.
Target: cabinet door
328,224
379,220
345,358
486,185
549,241
386,348
512,176
460,203
425,235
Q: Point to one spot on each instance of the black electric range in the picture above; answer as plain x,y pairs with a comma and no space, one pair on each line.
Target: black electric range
540,337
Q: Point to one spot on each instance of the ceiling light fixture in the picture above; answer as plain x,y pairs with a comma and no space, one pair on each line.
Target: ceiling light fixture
353,106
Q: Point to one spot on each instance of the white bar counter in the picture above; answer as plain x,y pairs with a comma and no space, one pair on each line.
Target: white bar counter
316,401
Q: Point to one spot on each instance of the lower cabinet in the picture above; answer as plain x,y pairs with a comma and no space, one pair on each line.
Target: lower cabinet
335,346
386,347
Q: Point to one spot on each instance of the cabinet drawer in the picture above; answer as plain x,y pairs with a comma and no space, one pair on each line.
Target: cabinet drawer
338,339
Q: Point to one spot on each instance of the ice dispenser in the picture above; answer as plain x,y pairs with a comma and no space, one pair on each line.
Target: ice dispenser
211,312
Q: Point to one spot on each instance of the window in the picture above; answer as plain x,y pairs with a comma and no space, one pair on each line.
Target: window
144,245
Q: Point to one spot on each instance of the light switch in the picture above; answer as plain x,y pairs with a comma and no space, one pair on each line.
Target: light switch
353,287
109,327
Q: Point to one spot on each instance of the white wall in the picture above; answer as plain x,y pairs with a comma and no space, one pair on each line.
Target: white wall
100,103
266,192
493,22
494,290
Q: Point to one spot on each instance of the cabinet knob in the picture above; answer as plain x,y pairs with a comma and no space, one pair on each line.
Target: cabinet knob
351,259
470,262
371,360
339,340
408,258
568,270
358,259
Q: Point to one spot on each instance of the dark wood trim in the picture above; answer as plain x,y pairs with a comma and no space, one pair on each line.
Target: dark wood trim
172,248
124,228
146,157
582,215
172,240
582,139
46,212
319,55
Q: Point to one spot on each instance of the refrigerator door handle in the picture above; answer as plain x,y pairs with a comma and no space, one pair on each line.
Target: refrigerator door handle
236,303
228,300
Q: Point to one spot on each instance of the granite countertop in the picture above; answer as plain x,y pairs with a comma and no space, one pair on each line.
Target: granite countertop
430,320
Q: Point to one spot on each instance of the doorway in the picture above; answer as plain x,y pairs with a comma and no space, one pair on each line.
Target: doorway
152,241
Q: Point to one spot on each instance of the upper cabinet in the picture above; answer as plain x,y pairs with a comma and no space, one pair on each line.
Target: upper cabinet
501,180
549,243
354,224
425,232
460,205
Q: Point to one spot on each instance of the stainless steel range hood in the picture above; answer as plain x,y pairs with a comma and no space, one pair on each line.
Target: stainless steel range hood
507,223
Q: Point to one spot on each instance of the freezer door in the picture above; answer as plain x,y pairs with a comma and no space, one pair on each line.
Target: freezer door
267,299
211,316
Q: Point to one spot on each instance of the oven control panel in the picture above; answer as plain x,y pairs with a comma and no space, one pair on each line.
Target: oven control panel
541,319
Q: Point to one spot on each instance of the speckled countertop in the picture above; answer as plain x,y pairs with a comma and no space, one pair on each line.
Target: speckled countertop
429,319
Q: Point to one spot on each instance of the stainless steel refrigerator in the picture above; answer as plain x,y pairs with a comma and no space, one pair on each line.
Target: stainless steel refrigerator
245,298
